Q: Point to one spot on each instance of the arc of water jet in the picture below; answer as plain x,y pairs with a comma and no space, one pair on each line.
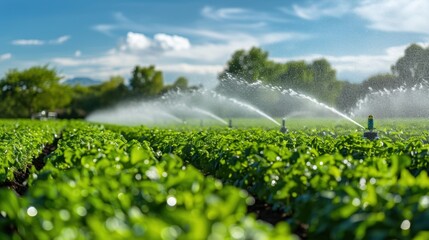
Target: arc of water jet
239,103
212,115
202,111
291,92
250,107
171,116
325,106
245,105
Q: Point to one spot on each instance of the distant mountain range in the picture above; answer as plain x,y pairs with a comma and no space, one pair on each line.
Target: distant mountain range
83,81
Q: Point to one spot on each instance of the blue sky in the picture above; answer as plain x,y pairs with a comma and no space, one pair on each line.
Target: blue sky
101,38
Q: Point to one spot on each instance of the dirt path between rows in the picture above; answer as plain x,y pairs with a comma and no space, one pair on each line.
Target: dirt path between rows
19,183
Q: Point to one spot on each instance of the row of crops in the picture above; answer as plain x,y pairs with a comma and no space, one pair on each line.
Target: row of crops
337,184
112,182
99,185
21,143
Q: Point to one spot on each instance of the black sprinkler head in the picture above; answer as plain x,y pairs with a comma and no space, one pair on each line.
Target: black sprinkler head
283,129
370,135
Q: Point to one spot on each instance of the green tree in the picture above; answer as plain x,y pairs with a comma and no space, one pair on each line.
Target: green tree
146,81
413,67
317,78
381,81
81,103
181,83
296,76
111,91
89,98
348,96
247,65
322,72
32,90
326,87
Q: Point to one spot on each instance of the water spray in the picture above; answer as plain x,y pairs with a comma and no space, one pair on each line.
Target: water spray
283,129
293,93
403,101
207,113
370,134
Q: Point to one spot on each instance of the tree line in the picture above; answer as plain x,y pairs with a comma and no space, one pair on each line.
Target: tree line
38,88
318,79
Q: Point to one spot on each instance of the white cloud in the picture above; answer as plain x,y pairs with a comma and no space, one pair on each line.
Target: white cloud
319,9
239,14
126,60
28,42
161,41
224,13
5,56
38,42
121,22
101,72
215,52
212,35
121,63
173,60
104,28
77,53
60,40
192,68
119,59
250,26
172,54
226,43
172,42
277,37
384,15
137,41
395,16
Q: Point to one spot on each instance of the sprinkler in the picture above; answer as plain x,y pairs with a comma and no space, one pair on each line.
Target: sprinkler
283,129
371,135
230,123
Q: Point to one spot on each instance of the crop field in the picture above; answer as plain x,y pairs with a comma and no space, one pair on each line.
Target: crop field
320,180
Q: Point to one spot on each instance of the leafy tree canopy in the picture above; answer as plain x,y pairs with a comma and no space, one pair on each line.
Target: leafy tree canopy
181,83
146,81
413,67
317,78
32,90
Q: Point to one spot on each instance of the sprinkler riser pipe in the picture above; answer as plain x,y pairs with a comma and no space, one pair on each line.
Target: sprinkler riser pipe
371,134
370,122
283,129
